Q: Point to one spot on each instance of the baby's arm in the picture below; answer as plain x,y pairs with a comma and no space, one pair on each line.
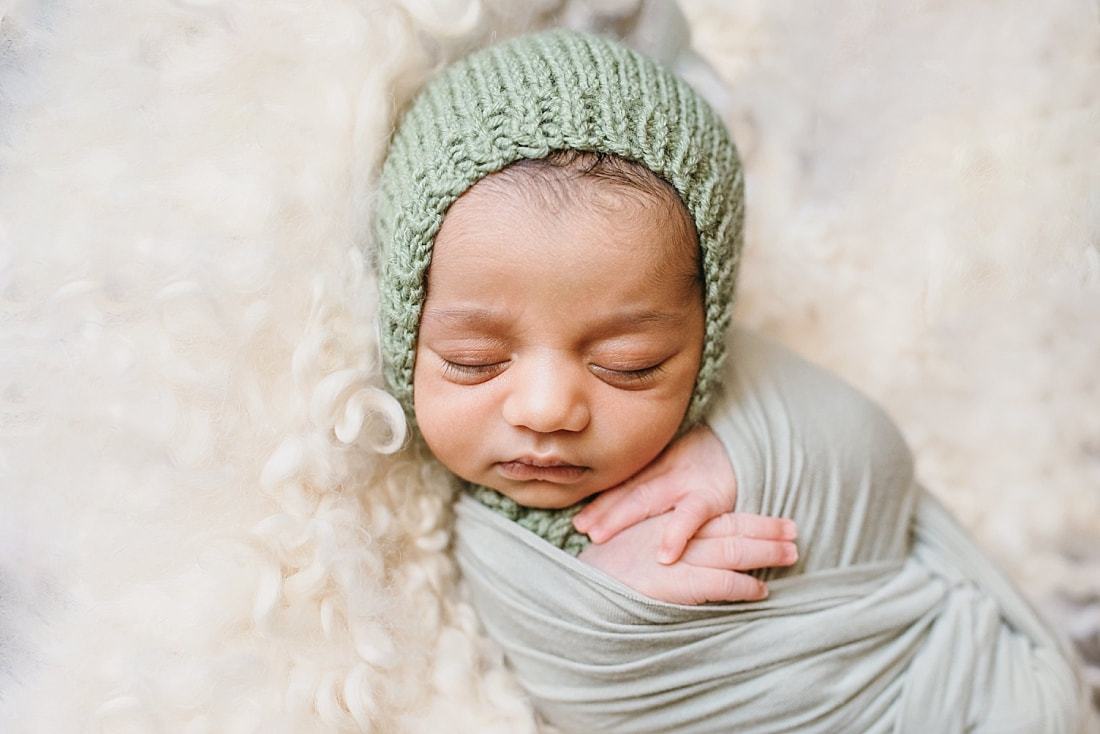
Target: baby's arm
682,503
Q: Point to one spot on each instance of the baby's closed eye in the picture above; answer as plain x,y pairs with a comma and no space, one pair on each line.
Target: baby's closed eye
472,366
628,377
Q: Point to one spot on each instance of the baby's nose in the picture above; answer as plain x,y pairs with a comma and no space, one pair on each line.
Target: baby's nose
548,395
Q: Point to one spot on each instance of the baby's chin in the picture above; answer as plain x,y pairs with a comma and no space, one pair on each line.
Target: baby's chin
544,495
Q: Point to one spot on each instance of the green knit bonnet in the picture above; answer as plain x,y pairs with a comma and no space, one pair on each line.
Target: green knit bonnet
523,99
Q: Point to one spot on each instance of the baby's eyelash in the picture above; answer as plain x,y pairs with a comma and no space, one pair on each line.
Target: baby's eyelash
638,378
461,372
471,369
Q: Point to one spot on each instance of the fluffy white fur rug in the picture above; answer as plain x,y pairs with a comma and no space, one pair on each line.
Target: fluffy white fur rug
201,528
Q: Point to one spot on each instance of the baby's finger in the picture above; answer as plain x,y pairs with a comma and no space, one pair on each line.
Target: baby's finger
619,508
740,554
708,584
683,523
746,525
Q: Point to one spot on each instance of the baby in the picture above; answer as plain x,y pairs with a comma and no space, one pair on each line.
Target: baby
560,224
595,381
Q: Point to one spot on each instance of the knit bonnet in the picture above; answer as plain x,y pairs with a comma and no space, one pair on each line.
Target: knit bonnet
524,99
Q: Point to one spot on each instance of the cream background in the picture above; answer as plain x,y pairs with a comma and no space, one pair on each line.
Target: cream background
197,530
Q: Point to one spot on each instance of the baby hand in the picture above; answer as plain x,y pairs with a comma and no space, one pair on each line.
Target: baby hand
694,480
709,568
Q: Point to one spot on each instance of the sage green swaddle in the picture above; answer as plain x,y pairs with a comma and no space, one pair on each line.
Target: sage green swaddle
892,621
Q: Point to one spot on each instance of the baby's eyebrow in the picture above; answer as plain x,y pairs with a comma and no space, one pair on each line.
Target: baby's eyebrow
629,320
478,318
464,317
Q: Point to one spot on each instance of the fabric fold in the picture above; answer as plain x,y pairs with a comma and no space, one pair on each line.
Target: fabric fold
885,647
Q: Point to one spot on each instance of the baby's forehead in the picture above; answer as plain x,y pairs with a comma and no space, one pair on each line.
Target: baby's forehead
587,181
564,174
637,212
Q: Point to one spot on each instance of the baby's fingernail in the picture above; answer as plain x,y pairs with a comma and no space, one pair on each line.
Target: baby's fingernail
791,555
596,533
665,556
790,530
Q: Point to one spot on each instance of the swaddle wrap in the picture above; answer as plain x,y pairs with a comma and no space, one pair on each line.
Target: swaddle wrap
892,621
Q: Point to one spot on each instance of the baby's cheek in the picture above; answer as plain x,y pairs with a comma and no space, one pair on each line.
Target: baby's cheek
449,419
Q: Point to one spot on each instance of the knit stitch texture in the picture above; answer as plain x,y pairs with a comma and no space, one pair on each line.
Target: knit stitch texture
523,99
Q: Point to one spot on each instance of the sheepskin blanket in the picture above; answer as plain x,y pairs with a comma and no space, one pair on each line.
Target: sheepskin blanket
206,523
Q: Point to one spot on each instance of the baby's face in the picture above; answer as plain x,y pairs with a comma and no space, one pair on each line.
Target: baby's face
559,341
